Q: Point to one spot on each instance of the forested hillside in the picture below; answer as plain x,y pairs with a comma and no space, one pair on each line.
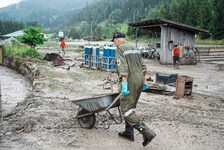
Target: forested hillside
10,26
102,17
45,12
206,14
116,11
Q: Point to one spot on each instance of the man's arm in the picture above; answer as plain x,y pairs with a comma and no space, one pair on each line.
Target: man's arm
122,66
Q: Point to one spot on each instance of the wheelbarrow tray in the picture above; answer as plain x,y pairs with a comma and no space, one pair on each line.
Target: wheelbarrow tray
98,102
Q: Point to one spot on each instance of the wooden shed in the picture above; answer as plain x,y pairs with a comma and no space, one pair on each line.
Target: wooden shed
171,33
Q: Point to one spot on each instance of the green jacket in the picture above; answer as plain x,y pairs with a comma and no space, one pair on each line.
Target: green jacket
129,61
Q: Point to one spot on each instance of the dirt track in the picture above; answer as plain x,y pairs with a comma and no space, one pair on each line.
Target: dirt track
45,119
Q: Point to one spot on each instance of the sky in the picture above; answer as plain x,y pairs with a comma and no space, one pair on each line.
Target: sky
4,3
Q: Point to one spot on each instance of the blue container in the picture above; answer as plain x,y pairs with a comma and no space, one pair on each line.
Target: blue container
112,57
112,51
87,54
95,56
85,51
167,79
94,50
98,61
106,55
97,50
90,50
106,51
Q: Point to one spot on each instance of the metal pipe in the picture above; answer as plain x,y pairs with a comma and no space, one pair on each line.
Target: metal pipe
114,101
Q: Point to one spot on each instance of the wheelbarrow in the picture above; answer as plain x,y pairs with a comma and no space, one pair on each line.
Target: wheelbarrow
89,106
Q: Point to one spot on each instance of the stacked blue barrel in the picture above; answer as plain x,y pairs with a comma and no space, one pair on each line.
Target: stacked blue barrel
106,55
112,57
95,58
88,49
109,57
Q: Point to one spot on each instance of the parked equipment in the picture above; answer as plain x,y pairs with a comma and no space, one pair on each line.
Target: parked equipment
152,51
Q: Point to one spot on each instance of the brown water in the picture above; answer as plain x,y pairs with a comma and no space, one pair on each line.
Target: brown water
14,88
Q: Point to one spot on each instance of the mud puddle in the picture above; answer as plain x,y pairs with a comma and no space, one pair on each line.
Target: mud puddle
14,88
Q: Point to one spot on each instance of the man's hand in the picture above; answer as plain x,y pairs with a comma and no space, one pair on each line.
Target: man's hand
124,91
145,87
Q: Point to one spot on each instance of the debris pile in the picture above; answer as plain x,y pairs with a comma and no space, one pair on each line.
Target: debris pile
55,58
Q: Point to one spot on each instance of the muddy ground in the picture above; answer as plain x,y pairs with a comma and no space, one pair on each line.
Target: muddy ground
45,119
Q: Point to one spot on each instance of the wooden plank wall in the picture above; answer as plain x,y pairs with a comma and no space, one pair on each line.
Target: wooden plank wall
177,36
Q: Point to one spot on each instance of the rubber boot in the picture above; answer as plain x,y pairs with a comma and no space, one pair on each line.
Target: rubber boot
148,134
128,134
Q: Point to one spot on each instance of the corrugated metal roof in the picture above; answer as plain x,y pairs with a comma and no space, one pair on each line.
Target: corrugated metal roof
152,23
14,34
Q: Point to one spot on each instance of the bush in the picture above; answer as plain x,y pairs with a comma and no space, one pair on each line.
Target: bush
32,37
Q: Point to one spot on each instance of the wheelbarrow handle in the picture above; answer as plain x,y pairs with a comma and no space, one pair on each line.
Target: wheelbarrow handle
115,100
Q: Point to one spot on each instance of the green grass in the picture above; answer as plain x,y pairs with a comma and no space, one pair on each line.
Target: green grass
17,49
209,41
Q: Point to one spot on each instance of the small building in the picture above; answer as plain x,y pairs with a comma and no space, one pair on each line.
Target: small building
171,33
14,34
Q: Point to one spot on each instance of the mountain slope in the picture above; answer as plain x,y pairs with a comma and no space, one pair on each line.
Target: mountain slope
42,11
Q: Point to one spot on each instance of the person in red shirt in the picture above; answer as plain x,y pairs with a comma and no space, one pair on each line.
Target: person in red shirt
63,46
176,56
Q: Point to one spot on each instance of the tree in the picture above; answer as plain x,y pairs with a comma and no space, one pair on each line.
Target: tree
10,26
75,33
85,27
32,37
116,16
98,32
33,24
218,27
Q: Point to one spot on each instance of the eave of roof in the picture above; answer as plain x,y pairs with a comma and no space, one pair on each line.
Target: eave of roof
14,34
147,24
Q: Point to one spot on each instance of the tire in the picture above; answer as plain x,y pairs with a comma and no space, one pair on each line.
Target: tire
86,122
170,45
152,56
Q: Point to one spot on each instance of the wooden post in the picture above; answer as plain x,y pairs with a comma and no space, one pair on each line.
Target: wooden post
1,55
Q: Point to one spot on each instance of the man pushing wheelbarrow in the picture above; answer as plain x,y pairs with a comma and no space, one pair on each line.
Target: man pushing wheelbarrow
131,72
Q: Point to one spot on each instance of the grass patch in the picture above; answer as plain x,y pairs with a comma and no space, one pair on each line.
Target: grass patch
209,41
23,51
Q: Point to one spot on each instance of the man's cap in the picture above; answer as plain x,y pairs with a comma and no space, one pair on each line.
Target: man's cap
118,35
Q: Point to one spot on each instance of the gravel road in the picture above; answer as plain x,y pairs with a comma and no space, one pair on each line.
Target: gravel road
45,118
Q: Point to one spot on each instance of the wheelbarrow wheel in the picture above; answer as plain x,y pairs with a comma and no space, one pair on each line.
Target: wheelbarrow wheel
87,122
